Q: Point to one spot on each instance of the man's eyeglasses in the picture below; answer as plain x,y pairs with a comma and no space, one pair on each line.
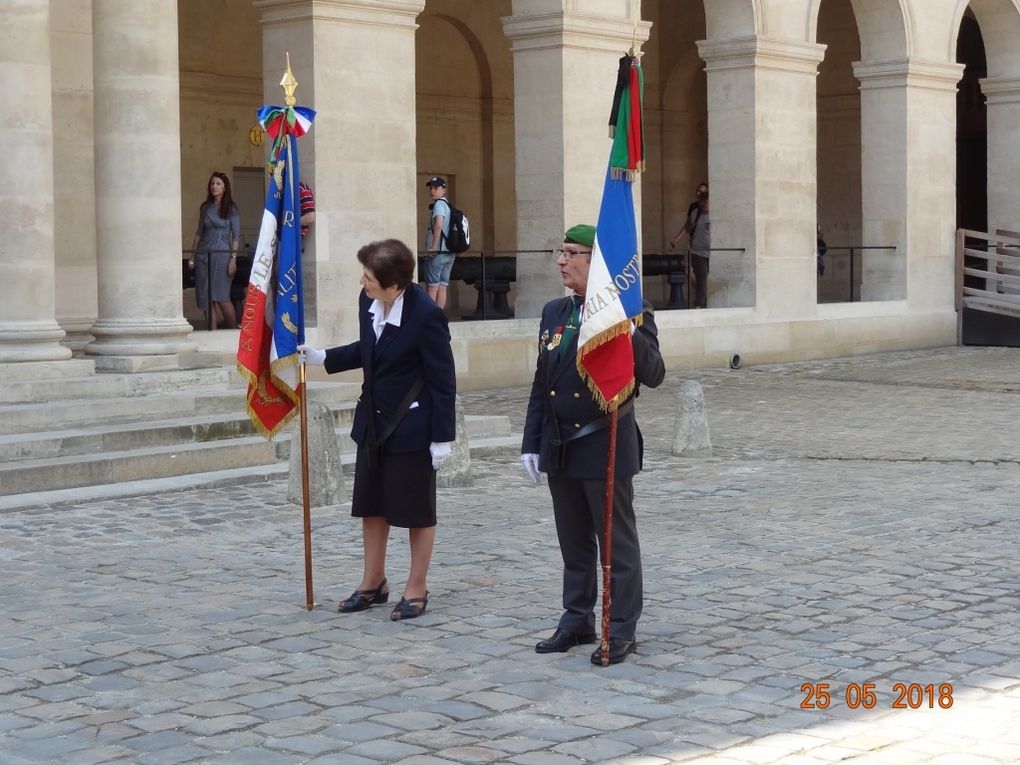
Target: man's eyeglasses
569,254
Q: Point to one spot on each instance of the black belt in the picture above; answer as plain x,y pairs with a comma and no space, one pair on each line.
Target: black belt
595,425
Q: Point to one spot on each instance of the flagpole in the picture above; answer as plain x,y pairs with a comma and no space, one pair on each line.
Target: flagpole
289,84
305,493
607,538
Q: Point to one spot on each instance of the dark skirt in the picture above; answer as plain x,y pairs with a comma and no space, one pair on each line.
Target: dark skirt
402,489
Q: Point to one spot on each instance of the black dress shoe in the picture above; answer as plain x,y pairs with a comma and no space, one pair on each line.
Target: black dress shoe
619,649
409,608
362,599
562,640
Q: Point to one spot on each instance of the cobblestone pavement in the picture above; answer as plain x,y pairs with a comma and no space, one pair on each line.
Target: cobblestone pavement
856,524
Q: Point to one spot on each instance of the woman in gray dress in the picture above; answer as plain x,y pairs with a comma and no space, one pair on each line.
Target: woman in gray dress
216,243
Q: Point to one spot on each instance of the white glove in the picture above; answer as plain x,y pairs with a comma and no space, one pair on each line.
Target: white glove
314,356
440,453
530,464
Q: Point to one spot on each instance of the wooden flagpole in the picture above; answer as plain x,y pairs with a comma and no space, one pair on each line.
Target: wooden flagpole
607,538
305,491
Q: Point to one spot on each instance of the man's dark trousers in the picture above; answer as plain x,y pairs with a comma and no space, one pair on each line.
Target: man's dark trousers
699,264
578,507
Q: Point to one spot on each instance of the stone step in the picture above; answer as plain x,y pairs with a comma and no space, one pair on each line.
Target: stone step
112,437
139,453
201,399
275,471
107,385
48,473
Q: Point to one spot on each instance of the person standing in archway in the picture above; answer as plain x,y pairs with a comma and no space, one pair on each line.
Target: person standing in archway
214,251
438,258
698,228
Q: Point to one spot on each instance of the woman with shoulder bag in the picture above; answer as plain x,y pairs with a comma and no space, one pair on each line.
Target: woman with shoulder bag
404,423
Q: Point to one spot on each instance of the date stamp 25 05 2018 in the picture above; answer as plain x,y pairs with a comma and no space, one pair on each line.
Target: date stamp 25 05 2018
864,696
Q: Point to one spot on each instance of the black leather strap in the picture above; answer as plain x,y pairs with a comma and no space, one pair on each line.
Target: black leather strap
374,445
401,410
600,424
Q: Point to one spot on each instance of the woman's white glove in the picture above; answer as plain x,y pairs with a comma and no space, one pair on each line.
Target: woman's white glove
314,356
440,453
530,464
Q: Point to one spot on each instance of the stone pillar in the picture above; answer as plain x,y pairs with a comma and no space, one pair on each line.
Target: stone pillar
908,171
1003,112
690,428
141,324
74,171
28,329
361,149
325,471
565,65
1002,101
762,173
456,471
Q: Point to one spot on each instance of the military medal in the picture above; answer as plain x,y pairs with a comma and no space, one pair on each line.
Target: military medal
556,338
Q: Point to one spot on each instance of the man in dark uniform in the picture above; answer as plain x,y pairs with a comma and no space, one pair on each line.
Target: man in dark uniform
566,436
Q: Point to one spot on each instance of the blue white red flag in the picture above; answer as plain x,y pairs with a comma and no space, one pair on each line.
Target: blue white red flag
273,321
605,354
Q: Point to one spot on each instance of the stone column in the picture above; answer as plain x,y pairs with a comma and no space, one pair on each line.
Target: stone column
138,186
908,172
565,65
1003,112
74,171
354,62
762,173
28,330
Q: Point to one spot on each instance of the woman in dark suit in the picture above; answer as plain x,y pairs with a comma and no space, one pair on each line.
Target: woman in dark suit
404,423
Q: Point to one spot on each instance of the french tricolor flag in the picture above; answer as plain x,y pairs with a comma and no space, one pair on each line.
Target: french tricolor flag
605,355
273,320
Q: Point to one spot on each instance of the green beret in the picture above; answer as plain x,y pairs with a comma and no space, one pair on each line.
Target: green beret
581,234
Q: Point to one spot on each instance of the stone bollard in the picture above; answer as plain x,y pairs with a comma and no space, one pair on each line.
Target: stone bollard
456,471
325,475
690,432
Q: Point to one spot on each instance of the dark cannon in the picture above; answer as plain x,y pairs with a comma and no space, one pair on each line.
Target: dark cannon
491,276
674,267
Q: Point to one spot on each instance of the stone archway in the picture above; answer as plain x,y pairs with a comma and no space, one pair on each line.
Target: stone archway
732,19
839,152
465,122
998,24
971,129
675,117
885,41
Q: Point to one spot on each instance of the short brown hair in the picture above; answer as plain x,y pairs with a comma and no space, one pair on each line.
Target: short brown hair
390,261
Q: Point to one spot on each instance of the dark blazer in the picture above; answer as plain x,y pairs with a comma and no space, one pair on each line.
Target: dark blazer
419,346
558,383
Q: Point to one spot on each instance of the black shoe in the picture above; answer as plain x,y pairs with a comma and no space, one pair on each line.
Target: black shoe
362,599
619,650
409,608
562,640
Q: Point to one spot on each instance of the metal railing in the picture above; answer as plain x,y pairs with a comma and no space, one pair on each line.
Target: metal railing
851,251
675,266
491,274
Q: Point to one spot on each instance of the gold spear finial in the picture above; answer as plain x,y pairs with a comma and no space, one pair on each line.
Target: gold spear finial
289,85
636,12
